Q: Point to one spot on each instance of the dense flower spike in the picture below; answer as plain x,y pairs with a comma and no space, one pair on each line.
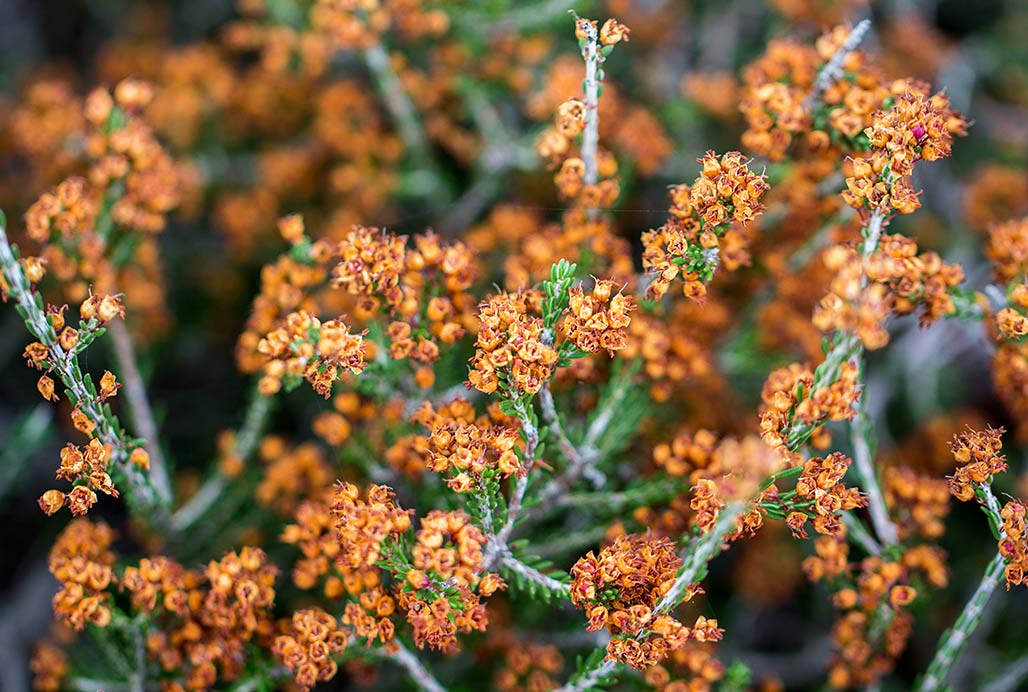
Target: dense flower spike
706,226
821,483
919,501
82,562
310,646
598,321
49,667
790,399
463,447
449,545
511,349
1014,545
619,589
978,458
916,127
308,348
777,98
892,280
435,623
364,524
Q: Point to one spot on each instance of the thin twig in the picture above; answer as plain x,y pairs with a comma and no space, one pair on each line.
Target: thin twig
860,535
403,113
591,134
142,497
139,406
591,678
247,439
954,640
832,70
552,419
497,545
610,407
860,426
137,681
883,525
587,453
415,668
1010,678
532,574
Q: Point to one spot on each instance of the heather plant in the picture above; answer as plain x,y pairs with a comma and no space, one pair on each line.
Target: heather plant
393,344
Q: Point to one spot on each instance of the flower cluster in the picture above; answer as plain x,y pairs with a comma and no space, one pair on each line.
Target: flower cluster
1013,545
873,628
307,348
598,321
919,502
448,545
706,228
620,588
289,284
439,594
130,155
229,606
978,458
124,181
1010,377
673,359
693,668
528,667
424,288
437,619
820,484
513,349
49,666
1006,248
688,454
69,209
314,534
242,592
777,98
463,447
894,279
370,615
291,475
363,525
916,127
158,582
310,646
81,560
791,400
86,464
1011,321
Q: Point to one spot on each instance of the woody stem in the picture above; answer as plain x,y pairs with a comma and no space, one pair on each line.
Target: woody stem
139,406
591,135
415,668
954,641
